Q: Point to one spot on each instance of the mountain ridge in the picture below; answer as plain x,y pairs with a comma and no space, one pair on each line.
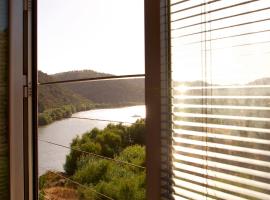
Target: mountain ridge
110,92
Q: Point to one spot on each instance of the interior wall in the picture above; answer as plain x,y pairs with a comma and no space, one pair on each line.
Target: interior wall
4,162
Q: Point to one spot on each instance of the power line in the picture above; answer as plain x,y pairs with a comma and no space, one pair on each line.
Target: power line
102,120
93,154
106,78
81,185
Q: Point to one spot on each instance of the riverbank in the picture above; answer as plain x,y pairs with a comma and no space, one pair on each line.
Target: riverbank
63,132
51,115
98,169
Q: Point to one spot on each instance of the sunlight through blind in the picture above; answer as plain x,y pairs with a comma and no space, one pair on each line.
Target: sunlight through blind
220,60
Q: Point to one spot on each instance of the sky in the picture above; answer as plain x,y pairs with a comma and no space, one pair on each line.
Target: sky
238,54
108,36
101,35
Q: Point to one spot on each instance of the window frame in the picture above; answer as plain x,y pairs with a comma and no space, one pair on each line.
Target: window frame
23,114
153,98
16,82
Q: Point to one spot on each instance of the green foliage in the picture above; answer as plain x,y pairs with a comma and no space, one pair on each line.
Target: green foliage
122,188
102,94
118,181
91,172
65,111
84,145
137,132
114,179
61,101
108,142
117,92
56,96
133,154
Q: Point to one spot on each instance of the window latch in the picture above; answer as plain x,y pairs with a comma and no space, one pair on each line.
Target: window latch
27,90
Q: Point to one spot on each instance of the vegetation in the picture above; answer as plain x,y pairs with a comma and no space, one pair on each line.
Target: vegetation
59,101
117,180
114,92
65,111
107,142
56,96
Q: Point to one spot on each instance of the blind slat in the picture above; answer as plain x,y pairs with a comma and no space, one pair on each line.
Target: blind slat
220,99
240,171
221,176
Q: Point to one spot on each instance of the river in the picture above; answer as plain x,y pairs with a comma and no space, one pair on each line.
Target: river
52,157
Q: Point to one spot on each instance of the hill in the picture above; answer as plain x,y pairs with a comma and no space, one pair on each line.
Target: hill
57,101
101,93
261,81
113,92
55,96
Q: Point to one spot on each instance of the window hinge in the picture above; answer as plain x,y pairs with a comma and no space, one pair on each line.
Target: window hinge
27,5
27,90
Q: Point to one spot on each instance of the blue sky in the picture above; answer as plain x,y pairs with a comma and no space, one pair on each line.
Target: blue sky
102,35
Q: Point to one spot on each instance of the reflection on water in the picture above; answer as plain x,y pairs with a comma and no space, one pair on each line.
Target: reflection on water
62,132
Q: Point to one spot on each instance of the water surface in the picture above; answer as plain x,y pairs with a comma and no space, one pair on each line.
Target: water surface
52,157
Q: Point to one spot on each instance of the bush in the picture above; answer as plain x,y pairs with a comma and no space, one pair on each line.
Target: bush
44,119
116,180
133,154
50,115
91,172
108,142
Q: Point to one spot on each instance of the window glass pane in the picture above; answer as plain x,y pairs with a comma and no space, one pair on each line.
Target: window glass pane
4,176
221,69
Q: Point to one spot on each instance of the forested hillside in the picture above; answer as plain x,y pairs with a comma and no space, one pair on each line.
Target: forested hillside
54,96
116,92
57,101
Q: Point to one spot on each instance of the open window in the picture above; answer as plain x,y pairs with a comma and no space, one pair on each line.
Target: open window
206,96
90,91
24,84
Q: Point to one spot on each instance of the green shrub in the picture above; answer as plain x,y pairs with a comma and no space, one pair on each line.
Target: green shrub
115,180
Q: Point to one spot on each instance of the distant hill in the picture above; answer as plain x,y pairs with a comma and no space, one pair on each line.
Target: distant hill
53,96
261,81
128,91
77,74
114,92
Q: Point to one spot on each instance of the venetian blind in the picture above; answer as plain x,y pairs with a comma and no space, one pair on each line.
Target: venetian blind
220,60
